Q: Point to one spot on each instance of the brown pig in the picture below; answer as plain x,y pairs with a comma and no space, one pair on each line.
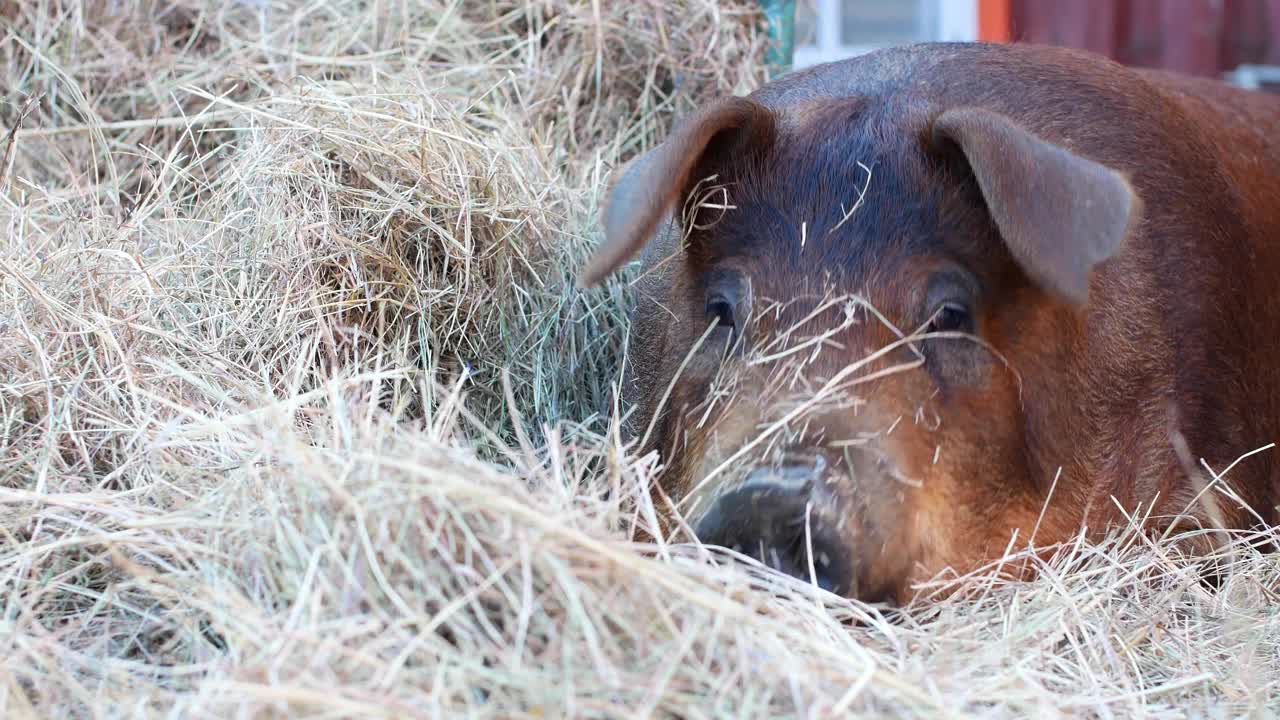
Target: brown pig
898,312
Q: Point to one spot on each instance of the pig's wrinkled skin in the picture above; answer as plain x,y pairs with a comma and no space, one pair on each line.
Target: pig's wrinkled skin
898,311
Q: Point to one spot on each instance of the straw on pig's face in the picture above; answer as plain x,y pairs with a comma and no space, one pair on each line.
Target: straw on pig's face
834,391
838,440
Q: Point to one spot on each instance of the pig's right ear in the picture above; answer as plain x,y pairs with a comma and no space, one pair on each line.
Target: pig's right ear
654,181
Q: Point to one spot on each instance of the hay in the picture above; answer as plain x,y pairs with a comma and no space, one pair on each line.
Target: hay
301,415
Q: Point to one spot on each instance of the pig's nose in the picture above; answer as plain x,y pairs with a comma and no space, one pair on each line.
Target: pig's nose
765,517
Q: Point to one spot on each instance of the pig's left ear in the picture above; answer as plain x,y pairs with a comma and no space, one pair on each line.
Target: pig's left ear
655,181
1059,214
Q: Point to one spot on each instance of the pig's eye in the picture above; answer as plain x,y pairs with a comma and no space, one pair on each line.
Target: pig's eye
952,317
720,310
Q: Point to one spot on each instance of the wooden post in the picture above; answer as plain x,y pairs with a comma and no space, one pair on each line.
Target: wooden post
994,21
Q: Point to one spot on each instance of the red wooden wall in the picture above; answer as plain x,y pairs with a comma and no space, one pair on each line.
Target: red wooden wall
1204,37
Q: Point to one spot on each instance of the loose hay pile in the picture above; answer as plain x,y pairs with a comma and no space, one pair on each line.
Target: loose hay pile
301,415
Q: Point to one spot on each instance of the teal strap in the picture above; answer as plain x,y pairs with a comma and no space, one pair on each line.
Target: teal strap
781,18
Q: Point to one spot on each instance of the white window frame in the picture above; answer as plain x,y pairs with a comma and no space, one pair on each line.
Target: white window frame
952,20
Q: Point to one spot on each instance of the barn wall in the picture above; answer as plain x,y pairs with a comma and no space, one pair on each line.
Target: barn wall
1203,37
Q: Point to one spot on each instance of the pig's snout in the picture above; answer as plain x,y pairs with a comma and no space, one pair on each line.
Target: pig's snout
786,517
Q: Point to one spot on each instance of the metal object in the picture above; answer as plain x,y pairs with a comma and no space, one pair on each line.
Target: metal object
1254,76
780,16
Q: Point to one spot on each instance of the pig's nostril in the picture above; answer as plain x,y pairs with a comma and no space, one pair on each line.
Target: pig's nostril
766,518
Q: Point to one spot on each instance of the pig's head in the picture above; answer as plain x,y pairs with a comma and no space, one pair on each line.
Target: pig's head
857,323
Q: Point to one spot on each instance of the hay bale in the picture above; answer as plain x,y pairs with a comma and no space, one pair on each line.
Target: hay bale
300,413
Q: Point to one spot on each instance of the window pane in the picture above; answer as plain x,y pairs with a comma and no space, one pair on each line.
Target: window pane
881,22
807,23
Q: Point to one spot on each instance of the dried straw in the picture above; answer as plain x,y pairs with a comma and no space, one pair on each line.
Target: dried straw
301,415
